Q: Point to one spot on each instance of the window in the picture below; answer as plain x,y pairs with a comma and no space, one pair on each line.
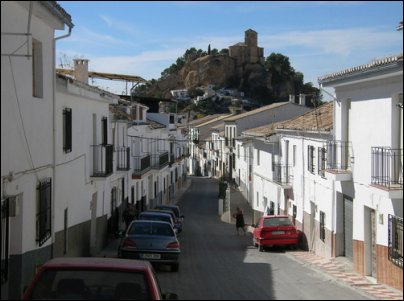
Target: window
321,161
238,151
104,130
396,240
310,157
258,157
172,118
294,155
67,130
37,69
43,217
322,225
257,201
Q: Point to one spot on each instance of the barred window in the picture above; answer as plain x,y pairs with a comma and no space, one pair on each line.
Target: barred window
43,217
322,225
321,161
67,130
310,158
396,240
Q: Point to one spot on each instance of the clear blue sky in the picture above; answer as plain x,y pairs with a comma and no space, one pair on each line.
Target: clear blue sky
144,37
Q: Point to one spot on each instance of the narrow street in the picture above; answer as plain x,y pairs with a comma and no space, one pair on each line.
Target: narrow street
217,264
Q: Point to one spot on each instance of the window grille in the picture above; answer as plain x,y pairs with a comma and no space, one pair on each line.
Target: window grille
310,158
43,217
67,130
322,225
396,240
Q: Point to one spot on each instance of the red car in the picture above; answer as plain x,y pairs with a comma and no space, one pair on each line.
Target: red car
95,278
275,230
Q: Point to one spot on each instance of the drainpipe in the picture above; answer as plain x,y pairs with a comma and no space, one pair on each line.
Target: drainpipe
54,135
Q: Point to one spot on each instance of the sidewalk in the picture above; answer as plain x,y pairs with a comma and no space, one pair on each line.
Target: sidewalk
111,249
339,268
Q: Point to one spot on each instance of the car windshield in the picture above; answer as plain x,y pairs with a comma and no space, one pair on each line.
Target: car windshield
277,221
161,229
91,284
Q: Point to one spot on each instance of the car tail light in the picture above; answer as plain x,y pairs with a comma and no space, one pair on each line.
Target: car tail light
128,243
173,245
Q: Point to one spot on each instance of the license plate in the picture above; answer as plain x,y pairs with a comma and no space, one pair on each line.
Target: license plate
150,256
278,232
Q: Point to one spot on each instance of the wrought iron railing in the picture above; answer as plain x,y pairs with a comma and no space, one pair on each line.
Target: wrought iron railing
159,161
141,164
282,174
101,160
123,158
339,155
387,167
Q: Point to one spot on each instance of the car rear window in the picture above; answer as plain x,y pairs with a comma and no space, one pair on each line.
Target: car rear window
151,229
90,284
155,218
173,209
277,221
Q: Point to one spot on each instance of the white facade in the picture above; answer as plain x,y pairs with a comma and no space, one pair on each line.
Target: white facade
235,125
82,184
368,115
27,136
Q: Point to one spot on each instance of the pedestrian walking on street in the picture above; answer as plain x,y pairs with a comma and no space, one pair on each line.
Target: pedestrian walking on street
239,216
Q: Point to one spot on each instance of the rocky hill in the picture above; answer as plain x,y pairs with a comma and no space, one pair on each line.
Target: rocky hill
220,70
241,66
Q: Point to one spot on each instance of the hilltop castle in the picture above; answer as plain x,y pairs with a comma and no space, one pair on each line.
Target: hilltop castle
247,52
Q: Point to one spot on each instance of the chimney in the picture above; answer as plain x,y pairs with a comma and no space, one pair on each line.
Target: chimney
81,70
302,99
292,98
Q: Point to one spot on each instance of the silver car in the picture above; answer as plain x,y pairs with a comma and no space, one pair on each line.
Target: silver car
154,241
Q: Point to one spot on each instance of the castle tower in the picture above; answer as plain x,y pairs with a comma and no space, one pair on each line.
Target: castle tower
251,39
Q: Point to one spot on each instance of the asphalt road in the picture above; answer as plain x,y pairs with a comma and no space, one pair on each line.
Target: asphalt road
217,264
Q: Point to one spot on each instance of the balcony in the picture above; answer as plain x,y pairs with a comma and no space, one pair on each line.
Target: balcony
123,161
339,159
159,161
387,170
141,165
282,175
101,160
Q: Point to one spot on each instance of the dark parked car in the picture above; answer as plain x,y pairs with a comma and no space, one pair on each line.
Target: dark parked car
154,241
158,216
92,278
177,225
275,230
176,209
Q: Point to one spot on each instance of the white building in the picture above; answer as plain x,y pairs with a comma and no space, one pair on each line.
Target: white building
89,190
27,138
366,161
306,191
236,124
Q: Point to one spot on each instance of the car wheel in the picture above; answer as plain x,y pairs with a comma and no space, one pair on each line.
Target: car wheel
175,267
261,248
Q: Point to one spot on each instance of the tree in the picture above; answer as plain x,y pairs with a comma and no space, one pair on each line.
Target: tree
209,49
